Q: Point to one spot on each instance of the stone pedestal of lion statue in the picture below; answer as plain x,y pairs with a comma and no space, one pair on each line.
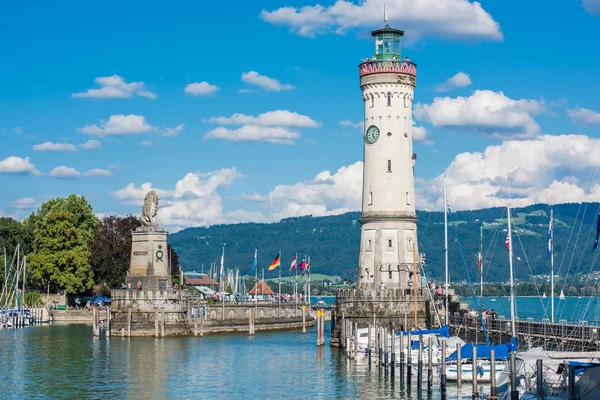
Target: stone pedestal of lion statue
149,255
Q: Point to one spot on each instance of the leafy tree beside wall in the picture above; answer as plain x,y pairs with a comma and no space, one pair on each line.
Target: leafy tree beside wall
61,257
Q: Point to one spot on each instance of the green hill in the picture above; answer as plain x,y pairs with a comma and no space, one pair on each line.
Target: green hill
332,242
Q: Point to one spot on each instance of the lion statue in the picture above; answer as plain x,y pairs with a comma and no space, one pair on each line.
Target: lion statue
150,209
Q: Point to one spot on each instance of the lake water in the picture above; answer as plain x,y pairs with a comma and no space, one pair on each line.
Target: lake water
66,361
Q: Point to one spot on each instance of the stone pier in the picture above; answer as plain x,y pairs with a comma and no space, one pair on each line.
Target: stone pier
393,308
164,313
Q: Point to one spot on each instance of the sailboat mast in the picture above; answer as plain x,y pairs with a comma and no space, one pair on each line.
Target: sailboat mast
512,292
481,264
447,282
552,266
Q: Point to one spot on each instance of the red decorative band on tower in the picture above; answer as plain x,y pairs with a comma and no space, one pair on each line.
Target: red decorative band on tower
383,66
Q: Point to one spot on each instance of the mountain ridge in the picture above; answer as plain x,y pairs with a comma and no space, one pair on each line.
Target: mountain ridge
333,242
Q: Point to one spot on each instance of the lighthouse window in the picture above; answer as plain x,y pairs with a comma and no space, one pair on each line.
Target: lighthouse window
389,99
370,198
390,274
369,246
407,199
390,245
389,166
372,101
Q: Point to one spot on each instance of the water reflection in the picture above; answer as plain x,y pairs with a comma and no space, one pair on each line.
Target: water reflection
68,362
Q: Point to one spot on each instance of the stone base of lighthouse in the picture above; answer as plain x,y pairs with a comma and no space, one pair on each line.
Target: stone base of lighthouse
389,308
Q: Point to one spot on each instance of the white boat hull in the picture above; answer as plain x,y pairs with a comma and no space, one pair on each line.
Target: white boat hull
483,374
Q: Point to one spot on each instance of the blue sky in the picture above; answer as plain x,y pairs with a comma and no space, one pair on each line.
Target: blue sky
93,100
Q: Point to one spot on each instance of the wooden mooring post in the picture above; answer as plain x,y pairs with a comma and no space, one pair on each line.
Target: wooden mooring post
429,367
420,365
443,383
107,321
493,389
474,374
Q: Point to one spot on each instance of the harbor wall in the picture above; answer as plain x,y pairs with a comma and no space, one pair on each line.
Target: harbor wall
163,313
390,308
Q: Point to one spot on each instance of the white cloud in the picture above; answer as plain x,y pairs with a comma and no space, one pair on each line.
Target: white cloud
457,81
359,124
114,87
49,146
548,169
459,19
326,194
250,133
64,172
420,134
25,203
485,113
583,116
263,81
200,89
98,172
119,124
269,118
18,130
90,145
174,131
146,143
18,165
195,201
592,6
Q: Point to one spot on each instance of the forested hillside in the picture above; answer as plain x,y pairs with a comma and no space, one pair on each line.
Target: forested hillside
332,242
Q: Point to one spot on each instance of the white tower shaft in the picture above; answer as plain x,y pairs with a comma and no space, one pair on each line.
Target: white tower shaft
388,233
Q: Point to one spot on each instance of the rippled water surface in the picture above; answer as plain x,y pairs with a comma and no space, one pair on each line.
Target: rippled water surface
66,361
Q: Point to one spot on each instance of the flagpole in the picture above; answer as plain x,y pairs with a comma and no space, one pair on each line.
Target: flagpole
296,279
308,272
510,261
256,280
447,282
552,265
279,295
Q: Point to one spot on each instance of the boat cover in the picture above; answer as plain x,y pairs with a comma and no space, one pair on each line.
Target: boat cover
483,351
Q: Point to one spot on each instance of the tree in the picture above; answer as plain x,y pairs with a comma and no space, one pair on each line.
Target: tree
111,249
61,257
80,211
10,235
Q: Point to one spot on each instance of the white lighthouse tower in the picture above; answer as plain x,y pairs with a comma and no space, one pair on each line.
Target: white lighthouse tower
388,243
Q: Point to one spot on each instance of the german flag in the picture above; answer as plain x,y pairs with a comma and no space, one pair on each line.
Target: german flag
276,262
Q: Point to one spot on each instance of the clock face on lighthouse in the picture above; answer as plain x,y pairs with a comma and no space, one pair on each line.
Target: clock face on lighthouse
372,134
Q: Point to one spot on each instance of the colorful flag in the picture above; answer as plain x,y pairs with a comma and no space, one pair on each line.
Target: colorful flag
293,266
276,262
507,242
303,266
480,255
597,232
308,266
255,261
549,237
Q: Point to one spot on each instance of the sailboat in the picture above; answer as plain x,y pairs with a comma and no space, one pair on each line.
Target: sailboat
562,295
544,295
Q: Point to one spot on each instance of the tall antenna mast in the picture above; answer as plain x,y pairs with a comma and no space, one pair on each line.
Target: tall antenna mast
385,14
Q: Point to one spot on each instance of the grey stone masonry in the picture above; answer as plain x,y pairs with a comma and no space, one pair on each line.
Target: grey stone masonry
393,308
164,313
